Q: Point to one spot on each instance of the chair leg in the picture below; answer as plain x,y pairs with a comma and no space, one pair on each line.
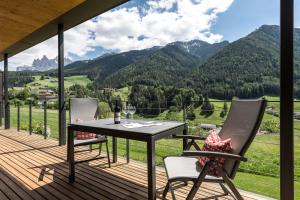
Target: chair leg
107,153
199,181
91,147
196,146
166,190
100,148
236,193
227,180
226,192
172,191
189,145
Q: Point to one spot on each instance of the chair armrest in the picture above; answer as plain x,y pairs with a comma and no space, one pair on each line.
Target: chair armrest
195,137
212,154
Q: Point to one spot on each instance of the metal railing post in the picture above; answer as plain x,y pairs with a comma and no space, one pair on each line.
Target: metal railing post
127,141
185,131
45,119
30,117
18,116
1,112
114,149
127,151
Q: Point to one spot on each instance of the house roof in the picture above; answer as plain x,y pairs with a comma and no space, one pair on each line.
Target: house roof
25,23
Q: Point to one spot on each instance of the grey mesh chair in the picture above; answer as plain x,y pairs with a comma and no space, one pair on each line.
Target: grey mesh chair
86,109
241,125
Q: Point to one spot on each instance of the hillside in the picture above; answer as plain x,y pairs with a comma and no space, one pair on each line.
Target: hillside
107,64
248,67
174,61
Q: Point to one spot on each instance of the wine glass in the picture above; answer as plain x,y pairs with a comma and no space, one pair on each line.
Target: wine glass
125,111
131,110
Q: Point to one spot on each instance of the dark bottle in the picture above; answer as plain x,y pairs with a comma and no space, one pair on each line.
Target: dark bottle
117,113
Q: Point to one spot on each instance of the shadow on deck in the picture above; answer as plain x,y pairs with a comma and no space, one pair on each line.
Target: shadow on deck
34,168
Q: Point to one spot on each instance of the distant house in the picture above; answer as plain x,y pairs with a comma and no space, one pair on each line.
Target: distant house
47,94
208,126
109,90
36,84
297,115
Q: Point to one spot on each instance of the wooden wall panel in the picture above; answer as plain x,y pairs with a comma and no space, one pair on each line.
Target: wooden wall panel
18,18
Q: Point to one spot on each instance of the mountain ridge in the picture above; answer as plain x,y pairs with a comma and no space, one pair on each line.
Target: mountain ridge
247,67
43,64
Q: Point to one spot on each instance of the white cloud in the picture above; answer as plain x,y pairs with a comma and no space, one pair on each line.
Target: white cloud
159,23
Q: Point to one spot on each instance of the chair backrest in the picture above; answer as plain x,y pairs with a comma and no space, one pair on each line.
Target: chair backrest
84,109
241,125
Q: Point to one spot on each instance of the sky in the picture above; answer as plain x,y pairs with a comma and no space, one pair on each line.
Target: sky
141,24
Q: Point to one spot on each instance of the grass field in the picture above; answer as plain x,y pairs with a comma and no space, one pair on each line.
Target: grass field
52,81
259,174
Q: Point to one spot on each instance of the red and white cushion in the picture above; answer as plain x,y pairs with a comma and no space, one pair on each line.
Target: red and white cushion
84,135
214,143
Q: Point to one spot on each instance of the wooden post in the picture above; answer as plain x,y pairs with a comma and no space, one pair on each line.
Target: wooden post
61,96
6,96
286,99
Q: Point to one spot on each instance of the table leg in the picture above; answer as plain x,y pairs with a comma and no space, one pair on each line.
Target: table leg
127,151
185,141
70,152
151,169
114,149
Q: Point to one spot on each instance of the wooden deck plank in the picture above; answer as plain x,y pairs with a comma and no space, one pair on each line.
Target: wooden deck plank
34,168
44,163
9,193
89,177
18,188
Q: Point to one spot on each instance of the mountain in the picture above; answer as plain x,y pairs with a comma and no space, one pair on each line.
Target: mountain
161,66
43,64
200,49
248,67
107,64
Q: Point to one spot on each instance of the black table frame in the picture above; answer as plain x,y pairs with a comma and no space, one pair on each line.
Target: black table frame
148,138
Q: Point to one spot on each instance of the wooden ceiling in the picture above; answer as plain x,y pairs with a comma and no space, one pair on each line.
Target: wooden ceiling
25,23
18,18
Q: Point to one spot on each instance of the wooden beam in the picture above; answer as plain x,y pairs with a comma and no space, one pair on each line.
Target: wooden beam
20,18
286,100
6,97
28,29
61,96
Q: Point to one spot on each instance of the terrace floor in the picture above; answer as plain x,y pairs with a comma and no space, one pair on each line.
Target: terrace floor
34,168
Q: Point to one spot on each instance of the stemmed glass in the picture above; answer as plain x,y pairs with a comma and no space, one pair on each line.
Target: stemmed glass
125,111
131,109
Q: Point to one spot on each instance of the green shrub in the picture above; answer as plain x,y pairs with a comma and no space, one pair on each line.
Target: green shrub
173,109
271,126
38,128
104,110
207,108
190,115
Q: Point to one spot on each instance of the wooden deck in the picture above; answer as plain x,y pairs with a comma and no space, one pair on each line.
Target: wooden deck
34,168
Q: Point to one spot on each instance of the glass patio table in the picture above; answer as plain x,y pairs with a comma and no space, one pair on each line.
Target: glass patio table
141,130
